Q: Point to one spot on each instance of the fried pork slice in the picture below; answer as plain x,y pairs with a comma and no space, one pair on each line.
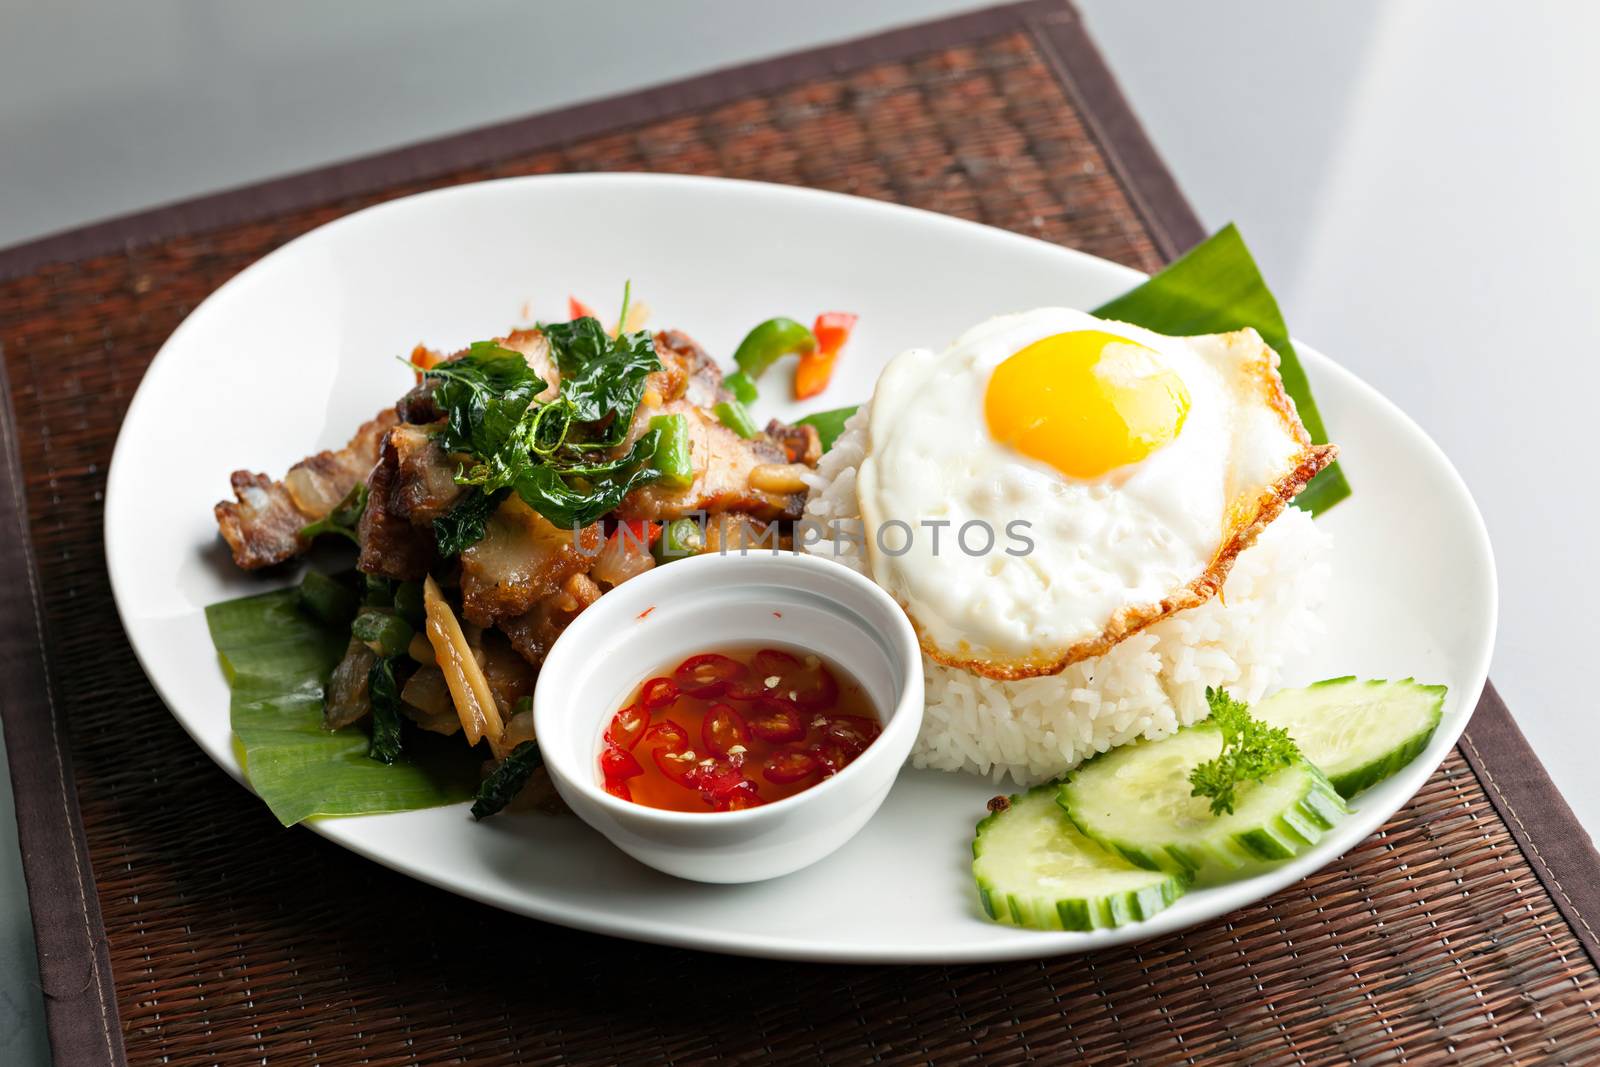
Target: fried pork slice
687,372
262,526
722,463
800,443
690,384
424,485
532,634
523,559
536,350
391,545
417,405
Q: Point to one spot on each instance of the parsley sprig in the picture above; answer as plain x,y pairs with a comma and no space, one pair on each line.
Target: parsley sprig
1251,750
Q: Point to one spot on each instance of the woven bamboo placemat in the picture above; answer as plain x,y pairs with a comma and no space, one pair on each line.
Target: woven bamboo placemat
176,918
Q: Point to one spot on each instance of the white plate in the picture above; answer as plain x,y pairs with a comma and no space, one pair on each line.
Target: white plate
292,354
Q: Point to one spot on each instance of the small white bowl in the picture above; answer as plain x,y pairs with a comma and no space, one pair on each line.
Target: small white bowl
653,622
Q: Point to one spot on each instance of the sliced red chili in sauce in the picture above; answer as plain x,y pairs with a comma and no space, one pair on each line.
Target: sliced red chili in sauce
736,728
723,731
627,726
706,676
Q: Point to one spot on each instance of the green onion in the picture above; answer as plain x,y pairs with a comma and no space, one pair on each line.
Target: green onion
769,342
742,386
829,424
672,451
327,600
408,603
377,592
732,414
679,538
386,634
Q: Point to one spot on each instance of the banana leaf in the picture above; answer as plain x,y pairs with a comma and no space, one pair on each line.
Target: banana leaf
277,658
1214,288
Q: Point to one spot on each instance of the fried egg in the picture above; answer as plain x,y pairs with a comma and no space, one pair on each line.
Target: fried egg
1052,482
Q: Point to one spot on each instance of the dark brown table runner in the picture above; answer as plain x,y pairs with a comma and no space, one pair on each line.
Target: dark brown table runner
1458,932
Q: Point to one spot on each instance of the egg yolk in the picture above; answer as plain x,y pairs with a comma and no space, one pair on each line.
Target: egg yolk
1085,402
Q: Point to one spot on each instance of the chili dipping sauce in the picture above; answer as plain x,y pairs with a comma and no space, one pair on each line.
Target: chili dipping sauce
735,728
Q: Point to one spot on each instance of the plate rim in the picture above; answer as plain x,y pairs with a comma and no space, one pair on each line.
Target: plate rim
341,830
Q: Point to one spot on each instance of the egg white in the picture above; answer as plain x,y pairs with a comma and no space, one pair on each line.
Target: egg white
1102,549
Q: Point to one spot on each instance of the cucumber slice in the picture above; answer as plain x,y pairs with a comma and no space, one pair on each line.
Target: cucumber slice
1136,800
1358,733
1035,869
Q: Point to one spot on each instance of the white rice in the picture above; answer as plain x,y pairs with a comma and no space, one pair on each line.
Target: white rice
1147,686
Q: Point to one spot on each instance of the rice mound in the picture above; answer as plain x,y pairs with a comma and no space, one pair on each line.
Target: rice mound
1147,686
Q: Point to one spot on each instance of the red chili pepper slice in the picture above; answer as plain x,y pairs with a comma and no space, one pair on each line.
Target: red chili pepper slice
669,735
820,689
619,763
706,676
627,726
681,768
577,309
829,756
618,788
720,779
777,724
790,765
723,729
657,693
748,686
742,796
809,686
769,661
852,733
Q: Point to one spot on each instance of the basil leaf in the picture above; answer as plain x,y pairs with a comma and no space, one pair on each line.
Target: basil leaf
385,693
546,452
484,394
465,524
579,494
602,379
507,780
576,344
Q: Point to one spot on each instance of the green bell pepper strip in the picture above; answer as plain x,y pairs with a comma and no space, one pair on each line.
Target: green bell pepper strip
680,538
829,424
771,341
386,634
742,386
672,451
732,414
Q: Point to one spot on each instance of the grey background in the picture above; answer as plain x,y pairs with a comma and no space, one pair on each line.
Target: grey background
1417,177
